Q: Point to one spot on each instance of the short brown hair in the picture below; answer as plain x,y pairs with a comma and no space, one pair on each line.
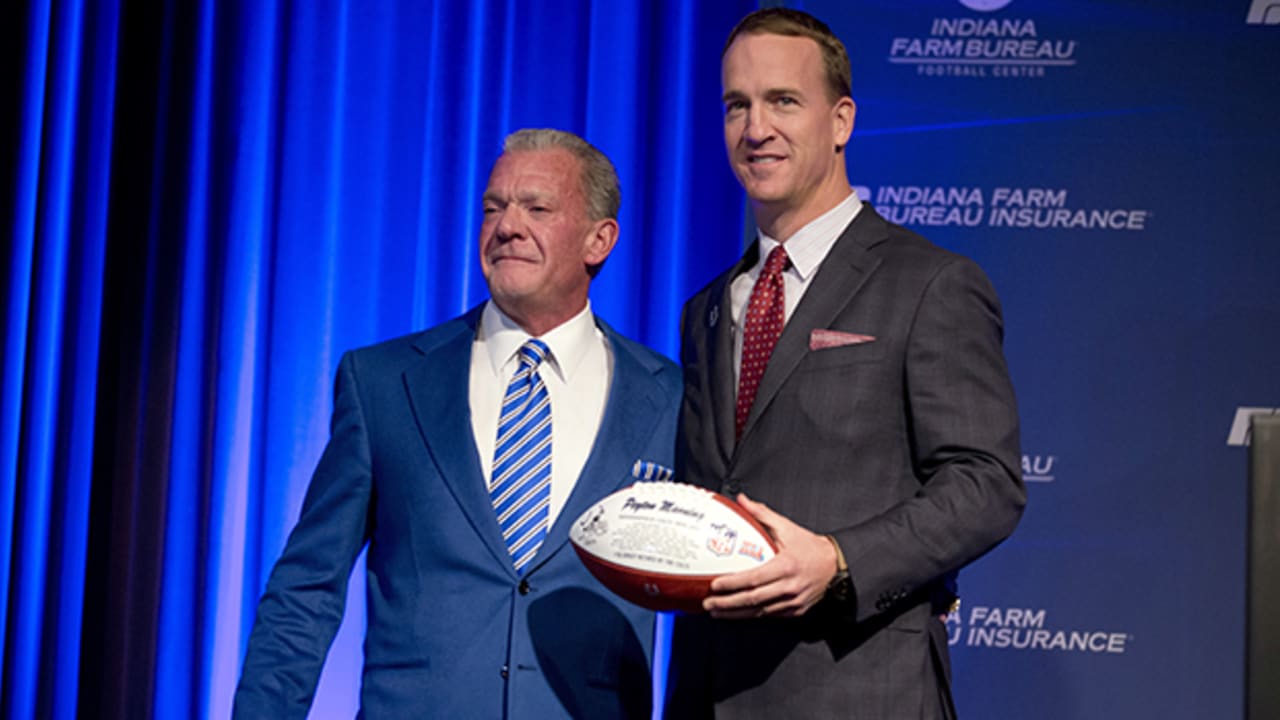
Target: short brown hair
796,23
599,180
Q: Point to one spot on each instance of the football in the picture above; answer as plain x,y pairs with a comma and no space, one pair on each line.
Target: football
659,544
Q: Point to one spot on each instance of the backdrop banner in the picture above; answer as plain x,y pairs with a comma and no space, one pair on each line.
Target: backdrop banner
1113,166
205,203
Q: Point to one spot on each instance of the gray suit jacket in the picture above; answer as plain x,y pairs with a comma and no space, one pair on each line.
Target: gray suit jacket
904,447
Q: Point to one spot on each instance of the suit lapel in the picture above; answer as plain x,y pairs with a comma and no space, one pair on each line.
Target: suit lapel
438,392
629,420
720,360
840,276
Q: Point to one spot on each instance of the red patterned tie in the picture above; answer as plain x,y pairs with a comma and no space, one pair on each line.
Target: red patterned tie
765,317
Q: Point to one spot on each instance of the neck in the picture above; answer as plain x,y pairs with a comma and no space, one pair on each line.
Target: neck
538,323
780,221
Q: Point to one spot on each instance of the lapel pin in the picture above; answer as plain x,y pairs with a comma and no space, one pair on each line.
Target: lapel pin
713,317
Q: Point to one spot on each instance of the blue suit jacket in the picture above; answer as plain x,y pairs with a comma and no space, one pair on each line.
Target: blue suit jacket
452,630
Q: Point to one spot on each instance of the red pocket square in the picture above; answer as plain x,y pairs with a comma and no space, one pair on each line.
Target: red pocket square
819,339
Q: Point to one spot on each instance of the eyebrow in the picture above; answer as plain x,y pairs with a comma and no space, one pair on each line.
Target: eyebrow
772,92
779,91
534,196
526,197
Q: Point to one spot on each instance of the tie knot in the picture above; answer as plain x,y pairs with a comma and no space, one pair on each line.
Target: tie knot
533,352
776,262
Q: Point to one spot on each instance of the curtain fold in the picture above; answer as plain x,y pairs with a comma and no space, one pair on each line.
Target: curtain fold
206,203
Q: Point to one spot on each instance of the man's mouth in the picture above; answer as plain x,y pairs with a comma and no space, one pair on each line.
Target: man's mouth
503,258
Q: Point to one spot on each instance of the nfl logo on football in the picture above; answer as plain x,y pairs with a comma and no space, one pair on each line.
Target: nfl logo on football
722,540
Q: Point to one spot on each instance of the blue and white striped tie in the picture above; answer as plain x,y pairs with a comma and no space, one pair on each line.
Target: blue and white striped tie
521,485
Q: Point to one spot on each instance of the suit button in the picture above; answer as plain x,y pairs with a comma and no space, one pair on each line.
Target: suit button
732,488
503,672
524,587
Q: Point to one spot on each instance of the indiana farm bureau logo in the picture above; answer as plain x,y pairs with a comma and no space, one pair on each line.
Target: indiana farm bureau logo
1261,12
1241,430
1037,208
1038,468
985,5
983,45
1028,630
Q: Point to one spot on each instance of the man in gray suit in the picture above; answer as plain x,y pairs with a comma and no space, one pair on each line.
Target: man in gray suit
848,376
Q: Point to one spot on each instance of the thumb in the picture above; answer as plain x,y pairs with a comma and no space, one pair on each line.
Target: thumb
761,512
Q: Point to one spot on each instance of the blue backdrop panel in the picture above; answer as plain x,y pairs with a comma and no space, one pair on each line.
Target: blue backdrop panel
205,204
1112,165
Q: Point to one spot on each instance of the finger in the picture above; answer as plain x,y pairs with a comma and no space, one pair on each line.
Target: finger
758,510
732,601
751,605
759,596
747,604
777,524
737,604
745,579
790,606
748,613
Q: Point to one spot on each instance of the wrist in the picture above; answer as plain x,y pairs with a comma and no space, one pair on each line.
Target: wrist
840,586
840,565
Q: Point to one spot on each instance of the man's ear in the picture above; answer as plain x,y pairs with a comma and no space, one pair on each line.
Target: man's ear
842,121
600,241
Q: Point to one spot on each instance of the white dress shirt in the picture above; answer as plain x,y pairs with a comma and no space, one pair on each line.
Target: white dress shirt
806,249
576,373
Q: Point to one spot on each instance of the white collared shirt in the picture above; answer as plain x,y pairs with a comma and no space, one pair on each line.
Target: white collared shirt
806,249
576,373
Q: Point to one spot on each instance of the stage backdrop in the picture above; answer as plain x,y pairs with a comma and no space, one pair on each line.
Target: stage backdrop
1113,165
204,204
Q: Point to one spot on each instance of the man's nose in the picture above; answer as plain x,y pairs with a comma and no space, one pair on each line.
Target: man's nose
508,223
757,128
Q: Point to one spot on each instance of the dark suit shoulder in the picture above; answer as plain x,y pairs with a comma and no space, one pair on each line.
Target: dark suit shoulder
716,282
903,249
707,295
892,238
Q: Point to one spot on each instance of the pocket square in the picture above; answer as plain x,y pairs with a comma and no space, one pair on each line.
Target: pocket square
644,470
820,339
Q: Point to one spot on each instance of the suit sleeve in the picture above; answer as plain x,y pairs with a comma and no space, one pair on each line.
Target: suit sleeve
963,438
303,604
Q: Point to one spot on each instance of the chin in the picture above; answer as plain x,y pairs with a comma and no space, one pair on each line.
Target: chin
763,190
507,287
766,196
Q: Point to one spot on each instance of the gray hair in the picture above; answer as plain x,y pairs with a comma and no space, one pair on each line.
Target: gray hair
599,180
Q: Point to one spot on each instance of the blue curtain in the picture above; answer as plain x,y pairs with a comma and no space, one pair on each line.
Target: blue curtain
206,203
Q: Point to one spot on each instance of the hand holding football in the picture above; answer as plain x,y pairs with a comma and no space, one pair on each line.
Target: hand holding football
659,544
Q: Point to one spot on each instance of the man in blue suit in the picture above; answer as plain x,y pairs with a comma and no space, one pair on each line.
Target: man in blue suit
460,456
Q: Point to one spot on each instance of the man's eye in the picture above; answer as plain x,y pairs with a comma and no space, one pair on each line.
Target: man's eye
734,106
786,100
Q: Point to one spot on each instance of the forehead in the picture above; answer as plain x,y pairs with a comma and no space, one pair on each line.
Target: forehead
769,61
547,171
